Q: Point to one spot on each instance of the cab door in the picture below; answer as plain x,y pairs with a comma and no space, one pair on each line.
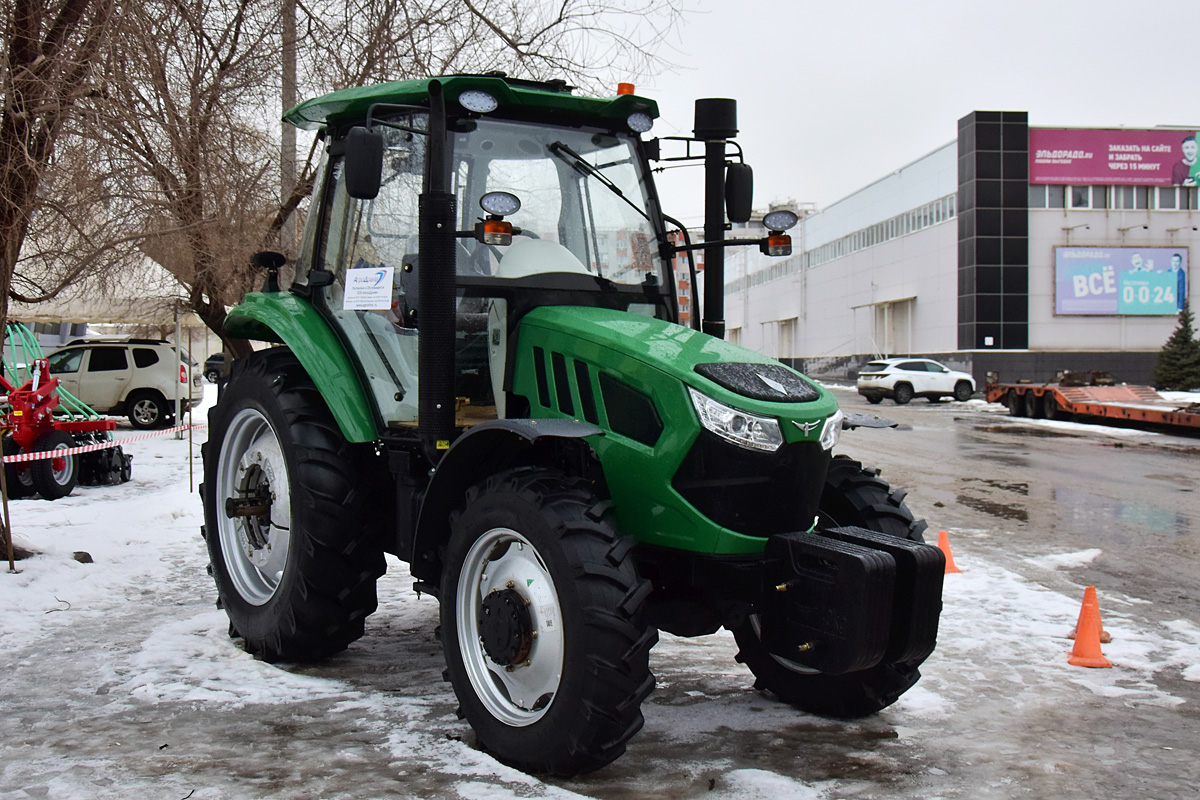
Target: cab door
105,377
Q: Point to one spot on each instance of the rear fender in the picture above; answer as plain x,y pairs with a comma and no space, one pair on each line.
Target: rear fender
487,449
291,320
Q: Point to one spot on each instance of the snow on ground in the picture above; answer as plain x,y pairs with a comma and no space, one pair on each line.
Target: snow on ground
134,634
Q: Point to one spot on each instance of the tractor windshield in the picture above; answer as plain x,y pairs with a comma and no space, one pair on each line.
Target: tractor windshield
584,205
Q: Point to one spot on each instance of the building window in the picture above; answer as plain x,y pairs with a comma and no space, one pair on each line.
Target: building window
735,335
1037,195
1166,197
1056,196
1131,197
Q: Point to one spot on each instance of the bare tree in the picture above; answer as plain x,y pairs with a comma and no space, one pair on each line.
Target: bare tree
185,133
51,49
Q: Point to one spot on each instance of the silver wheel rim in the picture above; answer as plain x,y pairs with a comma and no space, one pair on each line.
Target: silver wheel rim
756,625
251,465
62,476
521,694
145,411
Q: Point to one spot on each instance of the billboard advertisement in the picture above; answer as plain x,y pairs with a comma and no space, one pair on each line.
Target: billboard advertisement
1082,156
1135,281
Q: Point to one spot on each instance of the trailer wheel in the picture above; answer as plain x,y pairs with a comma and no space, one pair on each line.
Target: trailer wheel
54,477
902,393
17,477
293,549
1052,407
543,623
962,391
853,495
1034,409
1015,403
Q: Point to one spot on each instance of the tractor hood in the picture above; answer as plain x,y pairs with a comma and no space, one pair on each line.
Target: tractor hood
724,371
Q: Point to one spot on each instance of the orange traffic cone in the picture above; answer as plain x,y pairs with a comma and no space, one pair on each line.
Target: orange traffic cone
1087,634
944,546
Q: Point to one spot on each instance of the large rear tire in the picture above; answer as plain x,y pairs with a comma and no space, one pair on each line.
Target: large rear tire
543,623
293,549
853,495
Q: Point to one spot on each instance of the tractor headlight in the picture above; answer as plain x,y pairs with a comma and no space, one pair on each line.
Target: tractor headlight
740,427
832,432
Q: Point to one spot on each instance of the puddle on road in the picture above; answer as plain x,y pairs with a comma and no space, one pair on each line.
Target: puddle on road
975,494
1018,488
1022,430
1093,512
1001,510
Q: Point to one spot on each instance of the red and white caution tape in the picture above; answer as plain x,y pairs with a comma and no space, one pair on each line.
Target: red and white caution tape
91,448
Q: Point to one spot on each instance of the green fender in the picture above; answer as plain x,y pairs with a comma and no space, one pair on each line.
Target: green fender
285,318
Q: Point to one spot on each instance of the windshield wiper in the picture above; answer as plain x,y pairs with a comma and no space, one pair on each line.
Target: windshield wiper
584,168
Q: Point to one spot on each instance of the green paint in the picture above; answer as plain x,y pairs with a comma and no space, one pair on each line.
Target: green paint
349,106
285,318
658,359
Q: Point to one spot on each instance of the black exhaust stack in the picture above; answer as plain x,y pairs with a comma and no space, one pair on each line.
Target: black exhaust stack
716,121
435,282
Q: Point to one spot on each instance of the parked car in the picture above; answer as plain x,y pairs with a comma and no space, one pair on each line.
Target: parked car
214,367
902,379
128,377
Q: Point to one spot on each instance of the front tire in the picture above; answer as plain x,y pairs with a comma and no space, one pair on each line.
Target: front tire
853,495
293,548
962,391
902,394
543,624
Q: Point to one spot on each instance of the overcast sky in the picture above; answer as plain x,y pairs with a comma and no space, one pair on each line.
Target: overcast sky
834,95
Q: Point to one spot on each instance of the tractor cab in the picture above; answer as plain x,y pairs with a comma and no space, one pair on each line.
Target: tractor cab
544,215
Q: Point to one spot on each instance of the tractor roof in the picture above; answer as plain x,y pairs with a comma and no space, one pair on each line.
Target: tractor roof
550,101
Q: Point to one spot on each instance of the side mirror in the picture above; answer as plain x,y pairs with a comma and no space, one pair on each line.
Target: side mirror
271,262
364,163
739,192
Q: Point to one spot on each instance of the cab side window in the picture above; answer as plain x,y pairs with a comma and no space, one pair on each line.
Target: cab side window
108,359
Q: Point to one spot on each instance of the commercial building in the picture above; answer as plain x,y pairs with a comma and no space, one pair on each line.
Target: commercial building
1017,250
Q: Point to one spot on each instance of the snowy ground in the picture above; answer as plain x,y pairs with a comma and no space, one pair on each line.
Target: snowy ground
119,681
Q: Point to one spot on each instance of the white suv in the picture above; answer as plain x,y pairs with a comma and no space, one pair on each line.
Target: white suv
128,377
902,379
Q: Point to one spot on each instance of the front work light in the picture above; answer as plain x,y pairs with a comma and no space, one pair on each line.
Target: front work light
733,425
639,122
477,101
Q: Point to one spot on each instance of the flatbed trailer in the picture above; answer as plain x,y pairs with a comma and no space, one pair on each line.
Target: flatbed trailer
1124,402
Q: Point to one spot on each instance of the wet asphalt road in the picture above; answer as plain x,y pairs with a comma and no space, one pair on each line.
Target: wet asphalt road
1049,490
996,715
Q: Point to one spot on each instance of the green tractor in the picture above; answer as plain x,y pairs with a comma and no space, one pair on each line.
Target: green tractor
481,371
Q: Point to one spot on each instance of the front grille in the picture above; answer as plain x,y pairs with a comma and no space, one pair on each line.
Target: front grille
758,494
